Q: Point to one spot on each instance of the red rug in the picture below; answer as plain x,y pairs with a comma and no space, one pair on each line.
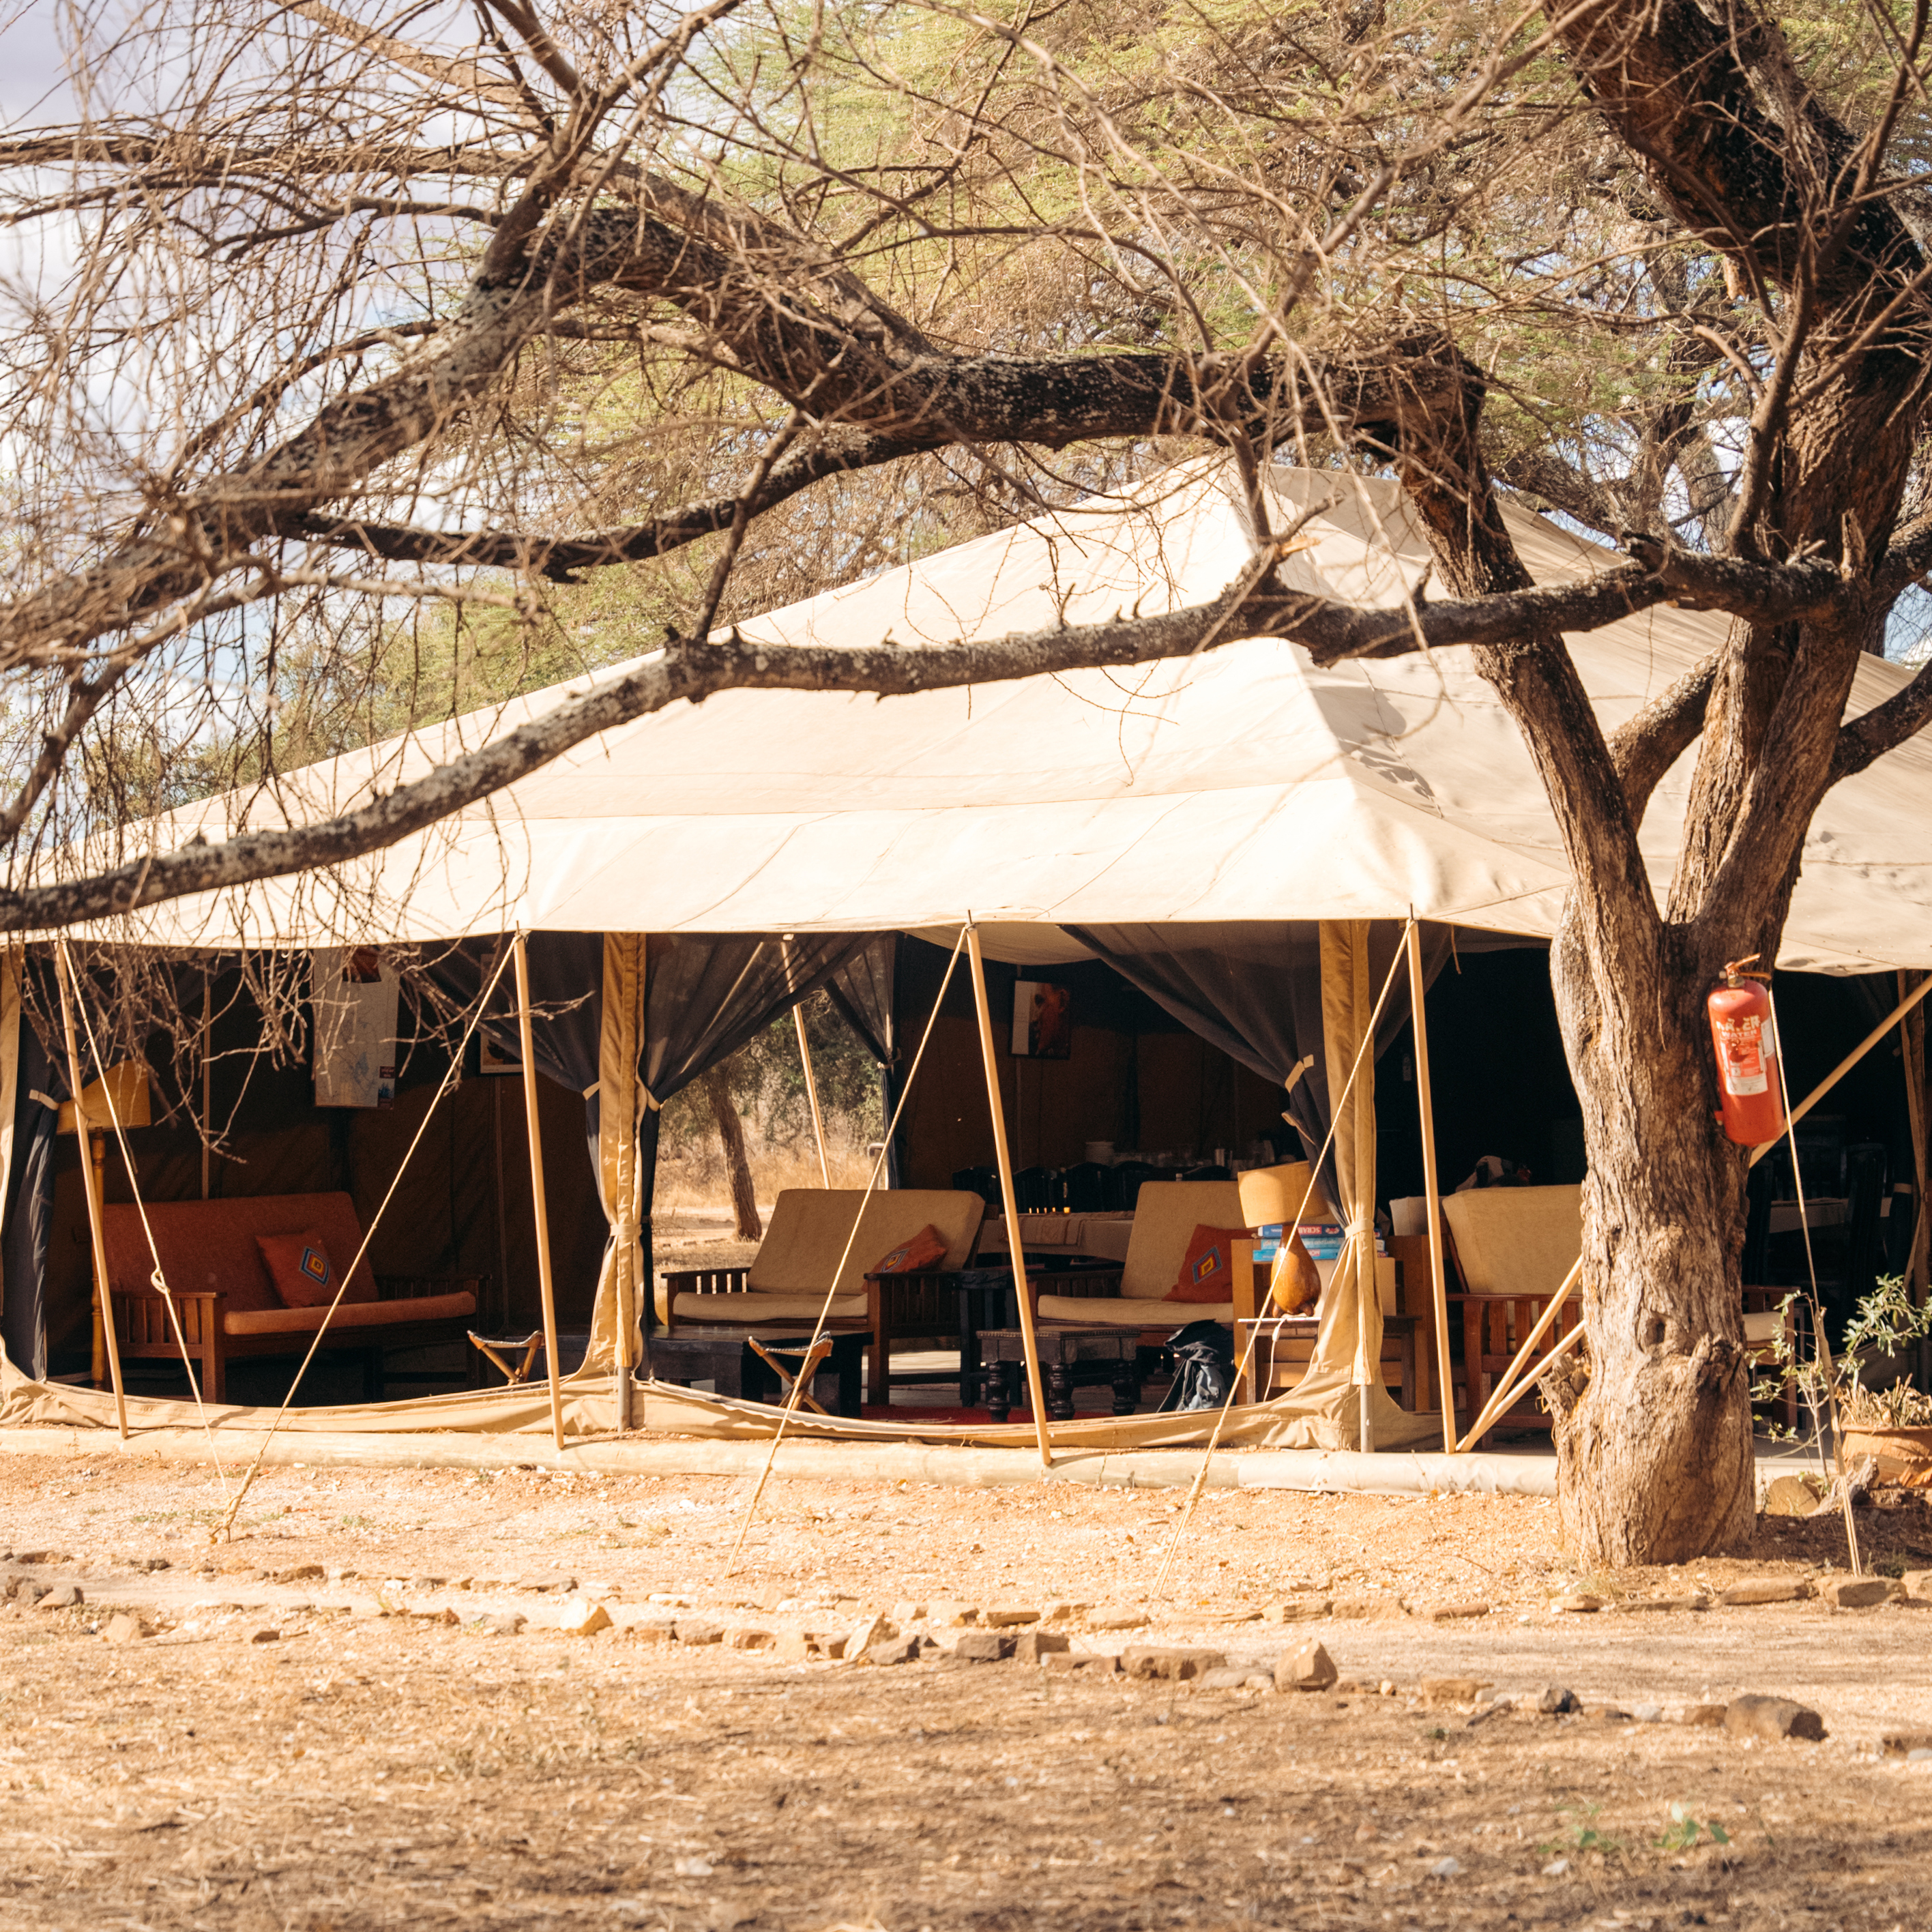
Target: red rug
928,1418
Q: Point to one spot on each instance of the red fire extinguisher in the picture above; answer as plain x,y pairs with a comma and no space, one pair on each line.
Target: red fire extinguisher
1746,1039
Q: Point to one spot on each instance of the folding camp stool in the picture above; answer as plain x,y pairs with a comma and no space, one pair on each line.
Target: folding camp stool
809,1357
513,1372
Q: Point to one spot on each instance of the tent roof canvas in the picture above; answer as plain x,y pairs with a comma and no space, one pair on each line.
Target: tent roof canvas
1244,784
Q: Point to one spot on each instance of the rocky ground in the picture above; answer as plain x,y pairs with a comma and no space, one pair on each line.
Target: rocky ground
366,1710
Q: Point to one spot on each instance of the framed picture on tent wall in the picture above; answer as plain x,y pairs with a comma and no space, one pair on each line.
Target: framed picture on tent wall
1042,1020
489,1060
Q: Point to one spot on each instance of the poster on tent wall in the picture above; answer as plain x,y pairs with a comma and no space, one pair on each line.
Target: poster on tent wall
354,1027
1042,1020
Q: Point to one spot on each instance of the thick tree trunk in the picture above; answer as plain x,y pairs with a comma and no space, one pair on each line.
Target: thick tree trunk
737,1163
1654,1456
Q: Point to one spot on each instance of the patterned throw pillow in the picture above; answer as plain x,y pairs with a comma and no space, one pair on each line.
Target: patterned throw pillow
300,1268
1207,1273
925,1250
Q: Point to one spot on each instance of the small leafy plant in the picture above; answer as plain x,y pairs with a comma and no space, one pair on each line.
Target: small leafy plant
1583,1837
1685,1831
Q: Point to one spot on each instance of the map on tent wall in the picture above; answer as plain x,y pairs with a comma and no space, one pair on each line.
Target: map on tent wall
355,1003
1042,1020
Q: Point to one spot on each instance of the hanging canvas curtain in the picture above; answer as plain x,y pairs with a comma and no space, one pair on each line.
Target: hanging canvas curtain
691,1000
1348,1339
1254,989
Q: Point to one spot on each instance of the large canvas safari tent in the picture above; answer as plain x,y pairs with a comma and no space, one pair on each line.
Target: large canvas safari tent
1234,834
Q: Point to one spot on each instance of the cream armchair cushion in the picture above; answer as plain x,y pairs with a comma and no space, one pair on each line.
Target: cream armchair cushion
1516,1241
1165,1216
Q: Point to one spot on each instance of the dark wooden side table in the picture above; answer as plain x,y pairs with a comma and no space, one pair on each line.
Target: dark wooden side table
720,1355
986,1301
1069,1358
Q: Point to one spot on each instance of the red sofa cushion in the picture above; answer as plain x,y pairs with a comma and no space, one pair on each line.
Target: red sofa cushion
207,1244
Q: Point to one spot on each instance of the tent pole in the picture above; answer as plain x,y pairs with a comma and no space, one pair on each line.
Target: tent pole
1845,1065
1438,1288
207,1079
811,1094
537,1185
90,1180
1009,1205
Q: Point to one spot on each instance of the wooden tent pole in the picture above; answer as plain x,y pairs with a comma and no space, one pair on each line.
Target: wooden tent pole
90,1179
1438,1287
1844,1066
207,1079
1009,1205
811,1094
537,1186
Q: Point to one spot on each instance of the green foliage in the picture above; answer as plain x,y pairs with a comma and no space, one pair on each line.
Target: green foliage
1684,1831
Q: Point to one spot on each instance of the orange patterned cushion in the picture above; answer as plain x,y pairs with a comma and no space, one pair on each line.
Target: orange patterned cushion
925,1250
299,1266
1207,1273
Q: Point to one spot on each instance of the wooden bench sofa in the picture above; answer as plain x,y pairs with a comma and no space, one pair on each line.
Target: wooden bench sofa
228,1305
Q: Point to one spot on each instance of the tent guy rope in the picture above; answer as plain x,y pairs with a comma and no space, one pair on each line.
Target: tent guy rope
159,1275
1362,1046
225,1527
798,1387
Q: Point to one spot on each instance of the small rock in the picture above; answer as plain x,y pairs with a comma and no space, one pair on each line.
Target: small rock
265,1636
1444,1693
1031,1645
1860,1593
62,1596
1310,1668
1580,1603
121,1628
1633,1606
1557,1702
1161,1664
1556,1868
581,1617
1446,1868
896,1650
1297,1610
1917,1585
908,1613
984,1647
692,1867
502,1623
866,1632
1703,1717
695,1630
750,1639
1101,1665
1367,1609
1647,1714
1118,1618
1765,1590
1223,1680
945,1616
1793,1495
1443,1613
1008,1619
1772,1717
1061,1613
303,1573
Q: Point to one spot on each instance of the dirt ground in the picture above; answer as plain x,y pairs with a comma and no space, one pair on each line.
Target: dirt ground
388,1758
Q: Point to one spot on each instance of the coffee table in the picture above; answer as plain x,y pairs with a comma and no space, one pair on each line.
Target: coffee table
1070,1357
720,1354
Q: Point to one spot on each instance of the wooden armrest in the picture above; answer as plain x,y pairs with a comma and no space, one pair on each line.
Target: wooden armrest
706,1281
421,1287
153,1294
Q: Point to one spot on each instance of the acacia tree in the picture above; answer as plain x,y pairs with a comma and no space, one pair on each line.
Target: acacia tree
538,320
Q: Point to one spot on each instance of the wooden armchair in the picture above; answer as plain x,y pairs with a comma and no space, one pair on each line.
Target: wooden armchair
810,1246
